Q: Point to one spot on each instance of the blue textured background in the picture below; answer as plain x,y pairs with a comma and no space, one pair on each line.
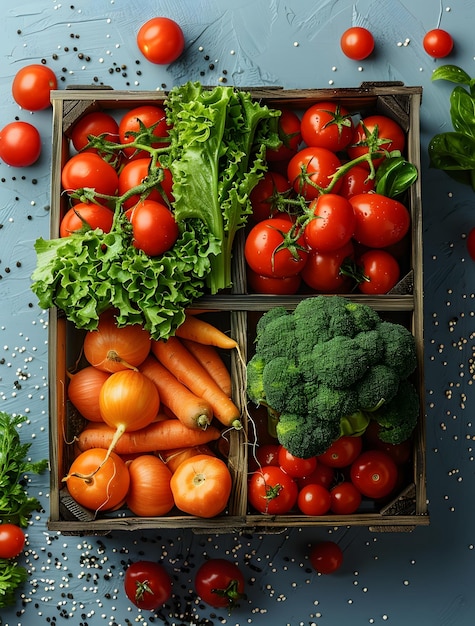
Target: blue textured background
420,579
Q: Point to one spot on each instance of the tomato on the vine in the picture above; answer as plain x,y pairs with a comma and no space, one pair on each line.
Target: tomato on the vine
288,285
20,144
327,125
314,499
265,195
438,43
342,452
134,173
311,170
322,272
295,466
272,491
154,228
357,43
326,557
382,132
161,40
356,181
381,271
333,224
94,124
289,129
380,221
149,116
32,85
268,254
345,498
374,473
147,584
89,170
86,215
220,583
12,540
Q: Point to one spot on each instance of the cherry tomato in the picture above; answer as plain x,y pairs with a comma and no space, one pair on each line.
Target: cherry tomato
12,541
88,169
134,173
20,144
471,243
346,498
272,491
438,43
147,585
380,221
94,124
357,43
32,85
295,466
399,452
322,272
327,125
290,135
288,285
342,452
326,557
265,195
323,475
266,253
381,269
220,583
382,131
161,40
311,170
333,225
314,499
356,181
154,228
374,474
150,116
86,215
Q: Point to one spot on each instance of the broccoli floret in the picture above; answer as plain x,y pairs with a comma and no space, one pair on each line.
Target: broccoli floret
277,338
306,437
268,316
398,417
379,384
325,402
364,317
282,382
255,387
399,348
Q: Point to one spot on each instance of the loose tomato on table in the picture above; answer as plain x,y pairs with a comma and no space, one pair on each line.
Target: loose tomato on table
134,173
220,583
269,249
32,85
147,584
265,196
311,170
84,216
20,144
345,498
288,285
380,270
379,221
323,270
12,541
342,452
333,224
326,557
161,40
357,43
289,129
470,242
89,170
374,473
379,132
438,43
314,499
137,120
327,125
154,228
272,491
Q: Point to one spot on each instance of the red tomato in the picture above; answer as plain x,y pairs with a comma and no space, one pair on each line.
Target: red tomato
380,221
88,169
314,499
381,269
322,272
399,452
290,135
20,144
438,43
150,116
327,125
268,454
94,124
471,243
134,173
333,225
356,181
357,43
154,228
265,195
84,215
272,491
374,474
161,40
326,557
288,285
342,452
266,252
346,498
12,540
32,85
147,585
382,132
295,466
310,171
220,583
322,475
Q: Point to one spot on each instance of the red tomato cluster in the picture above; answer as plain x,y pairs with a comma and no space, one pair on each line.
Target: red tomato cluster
336,482
317,224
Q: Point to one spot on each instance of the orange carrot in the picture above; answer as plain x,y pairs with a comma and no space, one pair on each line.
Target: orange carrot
211,360
161,435
175,357
203,332
193,411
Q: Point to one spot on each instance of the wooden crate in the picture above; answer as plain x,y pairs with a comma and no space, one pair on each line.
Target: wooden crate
237,313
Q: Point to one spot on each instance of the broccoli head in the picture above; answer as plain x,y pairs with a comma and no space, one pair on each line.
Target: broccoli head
306,437
398,417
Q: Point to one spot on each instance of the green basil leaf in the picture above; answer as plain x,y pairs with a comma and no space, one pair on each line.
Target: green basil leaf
462,111
452,151
394,176
452,73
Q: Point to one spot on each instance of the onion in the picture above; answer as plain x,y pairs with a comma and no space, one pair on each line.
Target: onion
111,349
83,391
149,492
